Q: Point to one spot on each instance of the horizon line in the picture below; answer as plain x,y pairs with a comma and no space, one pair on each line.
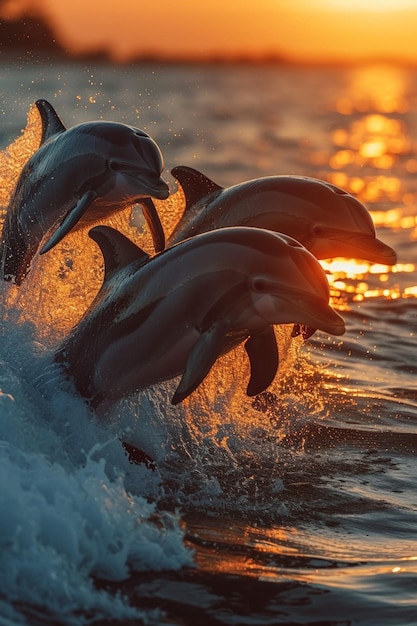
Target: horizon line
104,56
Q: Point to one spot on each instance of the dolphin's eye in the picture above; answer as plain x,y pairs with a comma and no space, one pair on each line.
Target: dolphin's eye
116,166
318,231
260,285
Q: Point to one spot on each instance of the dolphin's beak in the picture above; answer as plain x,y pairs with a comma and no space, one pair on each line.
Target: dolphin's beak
154,186
339,243
161,192
302,307
321,316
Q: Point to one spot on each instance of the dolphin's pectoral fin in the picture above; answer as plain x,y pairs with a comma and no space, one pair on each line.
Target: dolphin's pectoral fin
195,184
154,224
307,331
296,330
51,124
71,218
301,329
262,350
118,251
201,359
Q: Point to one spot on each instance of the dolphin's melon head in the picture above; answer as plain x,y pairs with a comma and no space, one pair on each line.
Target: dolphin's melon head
341,226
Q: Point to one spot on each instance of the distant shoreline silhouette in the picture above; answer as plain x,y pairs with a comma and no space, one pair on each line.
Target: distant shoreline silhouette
31,38
27,35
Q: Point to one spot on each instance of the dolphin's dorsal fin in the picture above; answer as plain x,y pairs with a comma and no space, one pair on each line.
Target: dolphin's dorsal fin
262,350
201,359
51,124
195,184
118,251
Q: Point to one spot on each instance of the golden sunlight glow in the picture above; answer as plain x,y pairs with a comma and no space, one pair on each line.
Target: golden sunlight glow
13,158
375,140
369,5
335,30
375,88
371,147
367,149
350,281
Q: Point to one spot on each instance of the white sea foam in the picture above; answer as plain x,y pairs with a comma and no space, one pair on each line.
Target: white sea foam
72,508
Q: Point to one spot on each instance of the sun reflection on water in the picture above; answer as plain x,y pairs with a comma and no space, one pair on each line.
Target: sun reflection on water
378,87
373,139
354,280
349,281
373,157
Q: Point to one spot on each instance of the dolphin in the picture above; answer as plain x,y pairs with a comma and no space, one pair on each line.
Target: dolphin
177,312
77,176
327,220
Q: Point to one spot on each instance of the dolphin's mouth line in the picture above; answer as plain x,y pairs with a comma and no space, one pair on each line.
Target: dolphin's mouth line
307,305
363,242
159,194
156,186
146,177
132,171
135,173
297,294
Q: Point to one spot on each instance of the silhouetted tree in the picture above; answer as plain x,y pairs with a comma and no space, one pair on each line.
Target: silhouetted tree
26,31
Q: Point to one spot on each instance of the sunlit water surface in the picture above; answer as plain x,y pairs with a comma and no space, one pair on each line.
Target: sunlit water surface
298,506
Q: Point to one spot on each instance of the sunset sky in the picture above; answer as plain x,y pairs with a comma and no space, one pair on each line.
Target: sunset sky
300,29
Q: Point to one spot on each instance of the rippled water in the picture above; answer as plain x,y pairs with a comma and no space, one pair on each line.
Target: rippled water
298,507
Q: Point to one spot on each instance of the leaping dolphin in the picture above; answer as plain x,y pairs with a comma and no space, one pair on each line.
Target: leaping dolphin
175,313
328,221
76,177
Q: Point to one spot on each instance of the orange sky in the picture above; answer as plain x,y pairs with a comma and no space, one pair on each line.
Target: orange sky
313,29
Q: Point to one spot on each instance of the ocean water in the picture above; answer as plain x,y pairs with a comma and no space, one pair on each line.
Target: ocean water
296,507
